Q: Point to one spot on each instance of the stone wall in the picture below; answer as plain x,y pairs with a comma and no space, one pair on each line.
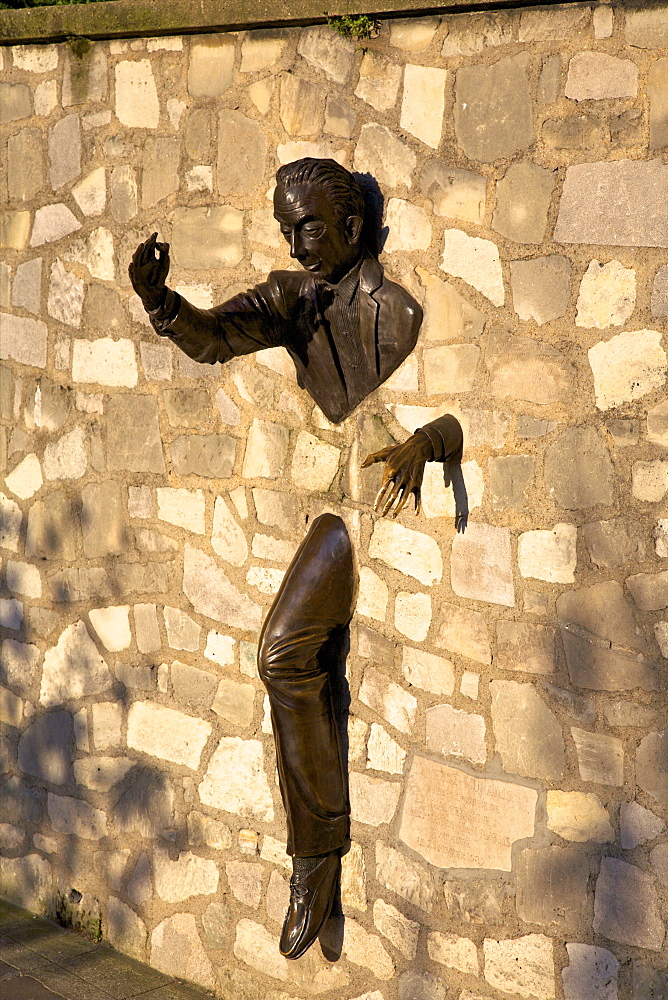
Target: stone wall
508,765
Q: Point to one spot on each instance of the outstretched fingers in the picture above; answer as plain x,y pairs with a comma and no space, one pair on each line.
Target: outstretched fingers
378,456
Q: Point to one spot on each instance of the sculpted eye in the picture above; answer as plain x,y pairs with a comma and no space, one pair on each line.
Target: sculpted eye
312,228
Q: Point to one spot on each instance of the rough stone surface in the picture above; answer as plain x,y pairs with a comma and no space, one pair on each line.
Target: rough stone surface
527,733
242,149
381,154
622,203
524,368
522,202
328,52
638,825
476,261
454,193
526,647
211,592
465,632
600,757
578,469
235,780
549,555
23,340
626,906
455,952
479,825
579,817
427,671
650,765
591,973
541,287
76,817
137,103
73,668
607,295
126,450
176,949
597,76
207,237
627,367
493,109
45,748
423,103
523,965
390,700
411,552
552,888
165,733
480,566
454,733
412,615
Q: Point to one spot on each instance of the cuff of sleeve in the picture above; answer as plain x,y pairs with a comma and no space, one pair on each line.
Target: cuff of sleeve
436,442
163,317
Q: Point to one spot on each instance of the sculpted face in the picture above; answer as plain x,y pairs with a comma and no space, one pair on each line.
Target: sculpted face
319,240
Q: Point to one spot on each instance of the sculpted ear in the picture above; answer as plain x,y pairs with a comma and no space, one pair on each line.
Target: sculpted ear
354,228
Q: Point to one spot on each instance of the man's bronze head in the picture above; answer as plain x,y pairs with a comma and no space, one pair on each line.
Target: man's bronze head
320,208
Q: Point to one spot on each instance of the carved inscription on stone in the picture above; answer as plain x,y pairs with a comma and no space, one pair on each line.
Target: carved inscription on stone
456,820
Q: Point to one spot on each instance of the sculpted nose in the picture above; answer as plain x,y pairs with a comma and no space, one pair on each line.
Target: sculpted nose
293,244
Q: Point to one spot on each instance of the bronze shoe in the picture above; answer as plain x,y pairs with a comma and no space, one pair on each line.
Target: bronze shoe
311,898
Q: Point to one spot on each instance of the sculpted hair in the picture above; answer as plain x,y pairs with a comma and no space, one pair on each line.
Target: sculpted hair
338,183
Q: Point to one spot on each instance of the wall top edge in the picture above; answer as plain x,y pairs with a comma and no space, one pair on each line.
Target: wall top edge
144,18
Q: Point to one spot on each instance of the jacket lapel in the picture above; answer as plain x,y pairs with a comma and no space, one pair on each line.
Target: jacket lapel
322,361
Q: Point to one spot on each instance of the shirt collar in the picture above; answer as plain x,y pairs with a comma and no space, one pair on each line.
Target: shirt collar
347,286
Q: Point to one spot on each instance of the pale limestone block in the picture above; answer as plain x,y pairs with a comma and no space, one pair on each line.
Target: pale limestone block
528,735
451,368
187,876
607,295
27,285
525,647
469,685
388,699
301,105
661,633
123,193
649,590
447,315
423,103
638,825
184,508
20,662
46,97
107,722
597,76
15,228
26,881
380,153
35,58
384,753
211,593
11,708
541,287
373,595
650,480
455,193
73,668
176,950
295,150
476,261
411,552
261,94
66,458
357,733
96,253
267,580
627,367
165,733
206,238
66,294
255,946
378,81
101,773
245,881
457,820
173,43
112,626
413,34
660,537
353,878
398,929
81,737
481,567
523,965
465,632
579,817
200,178
25,479
455,952
405,377
314,463
327,51
96,120
23,578
454,733
427,671
362,948
438,500
549,555
266,449
273,851
600,757
220,648
274,549
372,800
404,877
626,906
412,615
182,631
657,425
261,50
126,931
202,830
65,151
137,103
235,780
11,613
76,817
409,227
146,627
52,222
592,972
235,702
90,193
227,537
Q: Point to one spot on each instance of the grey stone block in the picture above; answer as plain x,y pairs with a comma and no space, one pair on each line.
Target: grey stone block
102,520
133,434
46,747
552,888
53,528
651,770
242,153
541,287
210,455
146,806
493,113
523,198
25,164
527,733
578,470
509,479
626,907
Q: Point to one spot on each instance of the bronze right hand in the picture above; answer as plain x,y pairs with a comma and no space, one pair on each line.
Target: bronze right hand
148,272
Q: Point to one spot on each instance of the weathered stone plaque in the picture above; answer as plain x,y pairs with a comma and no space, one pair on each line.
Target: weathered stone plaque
456,820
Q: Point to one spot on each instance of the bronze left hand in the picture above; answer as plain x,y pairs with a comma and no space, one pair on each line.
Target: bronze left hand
402,475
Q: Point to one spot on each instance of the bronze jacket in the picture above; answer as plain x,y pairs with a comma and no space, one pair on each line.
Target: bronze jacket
284,311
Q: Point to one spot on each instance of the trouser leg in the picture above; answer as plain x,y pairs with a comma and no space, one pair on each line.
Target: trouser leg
315,599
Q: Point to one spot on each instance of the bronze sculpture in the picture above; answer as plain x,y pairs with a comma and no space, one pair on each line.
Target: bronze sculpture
347,328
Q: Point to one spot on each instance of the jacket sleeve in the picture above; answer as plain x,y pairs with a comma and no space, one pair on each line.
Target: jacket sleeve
446,436
248,322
